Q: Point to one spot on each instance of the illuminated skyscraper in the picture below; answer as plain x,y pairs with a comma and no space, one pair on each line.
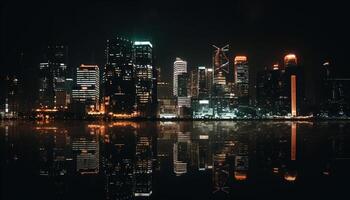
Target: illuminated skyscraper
118,76
180,66
145,78
294,87
220,65
46,93
205,81
57,61
194,83
88,86
241,75
52,78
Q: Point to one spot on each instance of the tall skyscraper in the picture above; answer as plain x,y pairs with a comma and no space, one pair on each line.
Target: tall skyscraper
194,82
46,93
9,96
183,98
242,77
294,87
180,66
87,89
52,76
202,82
118,77
333,92
220,65
145,78
270,86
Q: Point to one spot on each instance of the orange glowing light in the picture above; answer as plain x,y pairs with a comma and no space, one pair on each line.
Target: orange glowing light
290,177
290,59
293,95
240,59
240,175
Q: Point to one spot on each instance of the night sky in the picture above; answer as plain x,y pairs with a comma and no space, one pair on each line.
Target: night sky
262,30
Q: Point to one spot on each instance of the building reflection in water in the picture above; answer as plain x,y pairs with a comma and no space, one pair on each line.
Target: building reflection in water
129,157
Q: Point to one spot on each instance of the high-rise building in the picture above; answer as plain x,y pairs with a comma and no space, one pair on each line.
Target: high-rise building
87,89
145,78
220,65
183,98
202,82
194,82
333,92
46,93
180,66
242,77
52,78
9,96
118,77
164,89
294,87
270,86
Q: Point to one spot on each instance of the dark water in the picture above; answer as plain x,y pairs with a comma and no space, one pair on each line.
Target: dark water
175,160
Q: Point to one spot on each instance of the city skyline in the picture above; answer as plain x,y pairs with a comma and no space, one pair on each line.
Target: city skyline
132,99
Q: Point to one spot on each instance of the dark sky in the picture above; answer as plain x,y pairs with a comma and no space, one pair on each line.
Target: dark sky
263,30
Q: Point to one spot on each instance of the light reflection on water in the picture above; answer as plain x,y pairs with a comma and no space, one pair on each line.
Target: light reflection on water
174,160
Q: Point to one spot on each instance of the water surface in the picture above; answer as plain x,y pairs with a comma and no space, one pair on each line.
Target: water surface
174,160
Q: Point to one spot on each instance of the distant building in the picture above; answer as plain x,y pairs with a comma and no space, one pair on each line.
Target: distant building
119,77
145,78
281,90
241,69
180,66
87,89
167,108
294,84
53,74
183,98
10,96
270,87
334,95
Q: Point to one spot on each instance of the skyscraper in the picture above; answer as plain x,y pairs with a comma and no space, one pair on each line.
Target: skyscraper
52,78
145,78
118,77
220,65
270,86
180,66
46,93
204,81
294,87
183,98
9,96
87,89
242,78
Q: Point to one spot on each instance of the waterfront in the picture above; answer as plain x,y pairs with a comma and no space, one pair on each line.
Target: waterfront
174,160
